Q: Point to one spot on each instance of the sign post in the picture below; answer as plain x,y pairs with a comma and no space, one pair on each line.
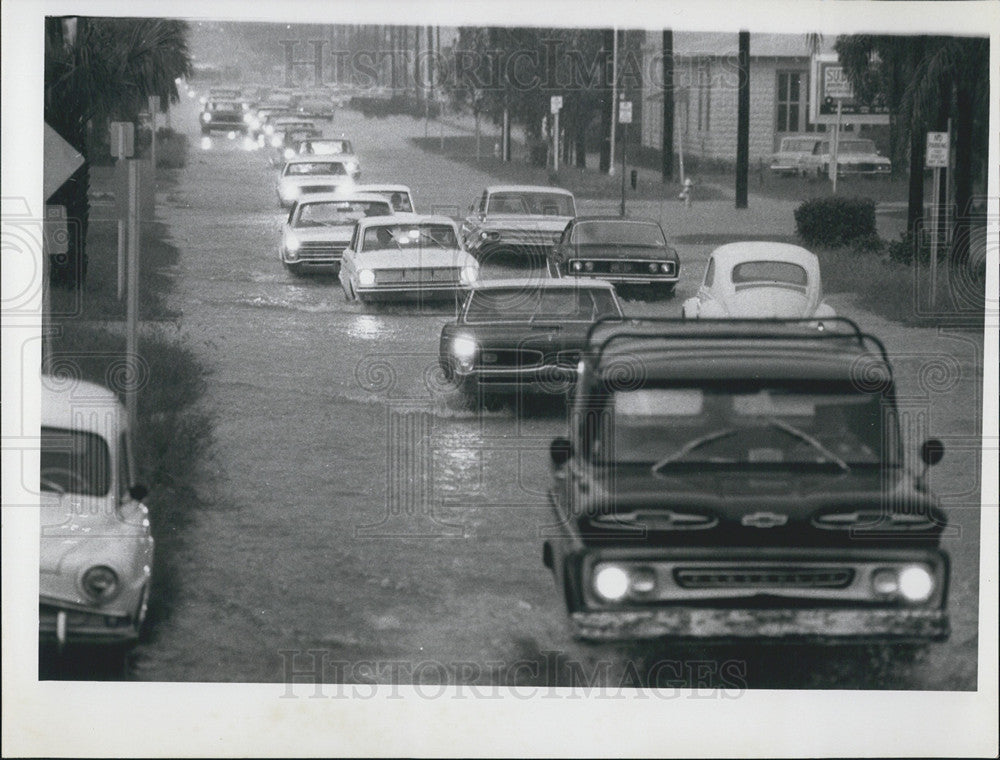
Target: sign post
122,146
624,118
936,157
555,105
132,302
154,106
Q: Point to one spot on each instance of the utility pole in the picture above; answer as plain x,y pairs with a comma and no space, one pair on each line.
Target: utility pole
614,97
743,122
667,145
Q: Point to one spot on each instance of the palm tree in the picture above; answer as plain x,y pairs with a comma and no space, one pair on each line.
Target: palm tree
95,70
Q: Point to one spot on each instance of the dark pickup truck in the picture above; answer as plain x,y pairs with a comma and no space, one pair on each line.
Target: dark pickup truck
743,479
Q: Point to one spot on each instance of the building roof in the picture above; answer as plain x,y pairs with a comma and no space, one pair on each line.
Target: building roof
762,45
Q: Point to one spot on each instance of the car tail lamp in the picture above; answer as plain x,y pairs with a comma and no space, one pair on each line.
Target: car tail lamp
100,583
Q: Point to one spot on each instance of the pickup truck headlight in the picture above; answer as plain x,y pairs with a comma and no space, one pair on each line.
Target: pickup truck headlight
469,274
611,582
366,278
916,584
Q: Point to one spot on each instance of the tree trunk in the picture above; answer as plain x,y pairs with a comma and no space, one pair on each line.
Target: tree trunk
743,122
963,167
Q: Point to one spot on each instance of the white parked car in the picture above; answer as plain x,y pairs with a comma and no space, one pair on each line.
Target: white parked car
855,157
406,257
96,548
794,155
304,175
320,226
759,280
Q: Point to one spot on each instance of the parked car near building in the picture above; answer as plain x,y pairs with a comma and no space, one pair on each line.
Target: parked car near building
759,279
733,480
320,226
855,157
523,334
96,547
408,257
522,222
795,155
626,252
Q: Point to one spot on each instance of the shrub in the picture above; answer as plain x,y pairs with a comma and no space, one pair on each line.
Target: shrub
867,244
835,221
171,149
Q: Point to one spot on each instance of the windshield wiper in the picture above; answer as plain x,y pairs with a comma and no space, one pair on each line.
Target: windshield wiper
803,436
691,445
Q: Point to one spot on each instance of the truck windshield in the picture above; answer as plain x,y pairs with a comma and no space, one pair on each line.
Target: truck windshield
669,426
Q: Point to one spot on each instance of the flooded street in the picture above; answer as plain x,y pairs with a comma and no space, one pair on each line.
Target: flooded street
358,514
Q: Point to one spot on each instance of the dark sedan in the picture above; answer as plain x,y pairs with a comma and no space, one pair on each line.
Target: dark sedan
618,250
523,334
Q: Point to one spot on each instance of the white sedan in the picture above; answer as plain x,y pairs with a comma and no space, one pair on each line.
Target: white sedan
303,175
759,280
406,257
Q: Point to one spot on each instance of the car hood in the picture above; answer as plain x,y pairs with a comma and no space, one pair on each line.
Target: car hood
424,257
529,222
751,505
548,337
769,301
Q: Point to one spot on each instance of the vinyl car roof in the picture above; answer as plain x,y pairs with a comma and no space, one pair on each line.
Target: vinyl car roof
526,189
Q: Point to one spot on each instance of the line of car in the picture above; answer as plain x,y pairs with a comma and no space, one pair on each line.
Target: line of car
737,473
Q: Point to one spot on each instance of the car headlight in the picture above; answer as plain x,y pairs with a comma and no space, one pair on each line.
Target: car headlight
916,584
463,348
589,266
366,277
248,118
352,166
469,274
611,582
292,243
268,129
653,267
276,141
289,192
289,154
203,100
667,268
577,266
100,583
206,117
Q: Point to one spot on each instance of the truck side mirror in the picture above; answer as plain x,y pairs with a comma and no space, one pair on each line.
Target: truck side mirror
931,452
560,450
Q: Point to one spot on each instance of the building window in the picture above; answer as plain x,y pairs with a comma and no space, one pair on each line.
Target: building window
790,101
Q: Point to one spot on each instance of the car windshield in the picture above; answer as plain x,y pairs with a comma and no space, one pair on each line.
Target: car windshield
338,213
610,233
315,168
798,144
668,426
409,236
75,462
400,201
769,272
326,147
535,203
848,146
225,105
534,304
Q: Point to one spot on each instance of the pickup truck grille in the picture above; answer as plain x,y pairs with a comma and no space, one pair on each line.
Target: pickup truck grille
768,577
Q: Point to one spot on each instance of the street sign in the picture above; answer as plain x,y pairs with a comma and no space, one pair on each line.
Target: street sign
836,84
625,112
937,150
59,162
556,103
